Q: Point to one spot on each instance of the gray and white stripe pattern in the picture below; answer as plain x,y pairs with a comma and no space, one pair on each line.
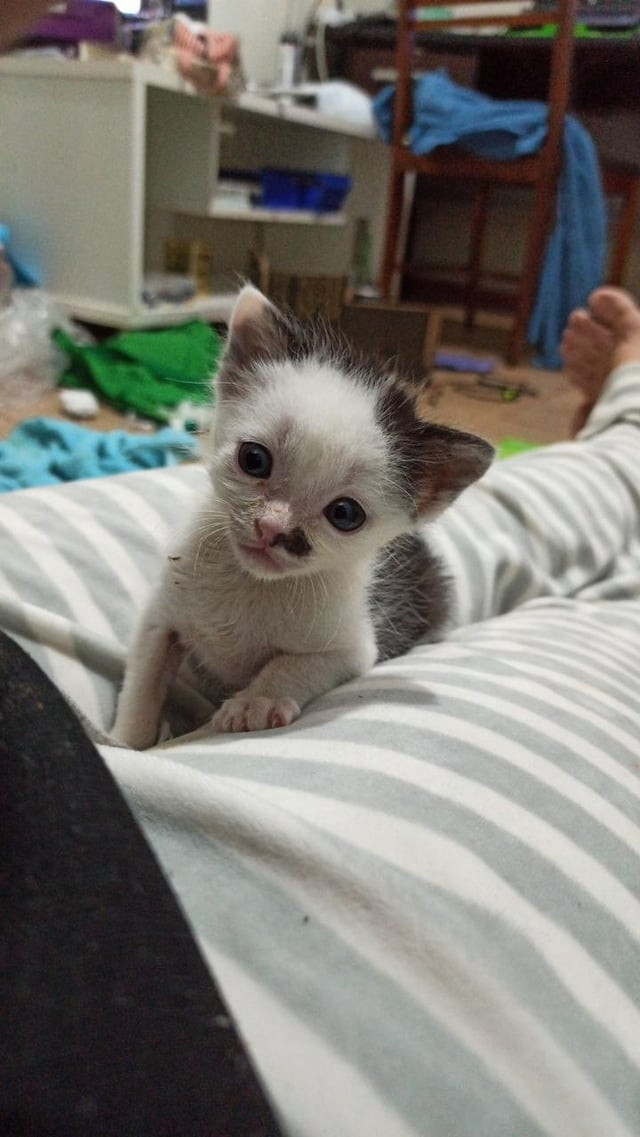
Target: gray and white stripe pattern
422,900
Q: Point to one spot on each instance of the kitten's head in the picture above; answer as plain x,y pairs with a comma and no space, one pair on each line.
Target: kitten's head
318,460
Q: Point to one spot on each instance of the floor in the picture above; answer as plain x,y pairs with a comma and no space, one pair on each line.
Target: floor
47,404
523,402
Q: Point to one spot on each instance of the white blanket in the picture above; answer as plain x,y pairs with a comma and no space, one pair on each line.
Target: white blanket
422,899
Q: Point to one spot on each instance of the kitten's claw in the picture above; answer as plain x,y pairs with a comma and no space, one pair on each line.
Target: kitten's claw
254,712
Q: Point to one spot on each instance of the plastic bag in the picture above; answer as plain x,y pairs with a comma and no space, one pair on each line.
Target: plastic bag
30,363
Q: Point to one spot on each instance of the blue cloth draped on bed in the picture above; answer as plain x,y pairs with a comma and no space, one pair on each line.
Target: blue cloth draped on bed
445,113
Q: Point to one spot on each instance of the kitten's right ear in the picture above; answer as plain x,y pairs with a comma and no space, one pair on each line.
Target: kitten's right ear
253,335
249,311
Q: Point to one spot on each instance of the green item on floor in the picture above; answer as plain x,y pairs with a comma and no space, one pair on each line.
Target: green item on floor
511,447
149,372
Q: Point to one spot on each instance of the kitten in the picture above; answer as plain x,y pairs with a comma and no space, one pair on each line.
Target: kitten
304,565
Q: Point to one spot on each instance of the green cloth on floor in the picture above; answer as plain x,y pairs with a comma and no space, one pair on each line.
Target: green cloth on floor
149,372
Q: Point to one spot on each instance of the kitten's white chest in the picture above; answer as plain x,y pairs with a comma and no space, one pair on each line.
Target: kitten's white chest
235,624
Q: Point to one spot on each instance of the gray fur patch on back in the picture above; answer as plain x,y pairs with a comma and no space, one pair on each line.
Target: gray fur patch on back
409,596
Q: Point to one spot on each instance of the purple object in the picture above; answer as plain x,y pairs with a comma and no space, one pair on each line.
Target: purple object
76,20
452,361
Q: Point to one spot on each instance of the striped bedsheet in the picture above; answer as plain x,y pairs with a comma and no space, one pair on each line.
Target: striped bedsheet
421,900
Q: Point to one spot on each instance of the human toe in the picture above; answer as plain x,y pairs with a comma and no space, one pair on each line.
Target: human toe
586,348
616,310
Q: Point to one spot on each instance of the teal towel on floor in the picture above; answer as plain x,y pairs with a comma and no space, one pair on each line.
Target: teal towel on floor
445,113
42,451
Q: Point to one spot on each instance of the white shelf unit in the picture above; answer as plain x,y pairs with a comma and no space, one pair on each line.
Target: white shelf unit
102,160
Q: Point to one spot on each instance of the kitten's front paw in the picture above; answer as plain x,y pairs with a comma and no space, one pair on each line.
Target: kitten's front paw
254,712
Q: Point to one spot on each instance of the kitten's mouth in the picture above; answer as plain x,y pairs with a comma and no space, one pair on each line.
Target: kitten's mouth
261,556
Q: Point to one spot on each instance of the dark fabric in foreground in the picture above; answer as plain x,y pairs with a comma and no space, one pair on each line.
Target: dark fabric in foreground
111,1022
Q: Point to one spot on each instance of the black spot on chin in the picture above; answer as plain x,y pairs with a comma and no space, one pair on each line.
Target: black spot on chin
294,542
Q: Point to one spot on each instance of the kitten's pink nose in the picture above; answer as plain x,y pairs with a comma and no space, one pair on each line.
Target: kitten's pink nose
271,526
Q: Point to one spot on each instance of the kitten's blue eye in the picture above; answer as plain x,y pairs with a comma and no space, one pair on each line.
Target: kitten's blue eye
255,460
345,514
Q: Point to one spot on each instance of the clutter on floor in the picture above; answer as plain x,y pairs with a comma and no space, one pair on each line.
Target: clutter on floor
30,363
44,451
52,365
511,447
149,372
79,403
458,361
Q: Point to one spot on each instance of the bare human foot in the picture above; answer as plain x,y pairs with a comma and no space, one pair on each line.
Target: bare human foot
596,341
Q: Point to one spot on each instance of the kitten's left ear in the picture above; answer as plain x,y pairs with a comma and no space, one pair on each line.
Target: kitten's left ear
450,461
254,334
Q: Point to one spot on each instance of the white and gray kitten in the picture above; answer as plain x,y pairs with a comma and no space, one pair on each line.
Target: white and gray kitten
304,565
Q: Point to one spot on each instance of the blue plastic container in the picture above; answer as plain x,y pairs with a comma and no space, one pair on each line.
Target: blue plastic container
303,189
